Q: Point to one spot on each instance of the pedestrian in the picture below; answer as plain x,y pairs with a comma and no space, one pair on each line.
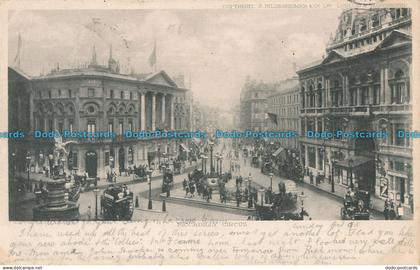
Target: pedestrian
89,213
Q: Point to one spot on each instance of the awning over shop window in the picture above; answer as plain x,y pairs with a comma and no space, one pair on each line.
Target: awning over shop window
357,161
278,151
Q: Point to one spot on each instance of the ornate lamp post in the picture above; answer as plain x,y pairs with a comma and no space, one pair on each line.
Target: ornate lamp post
249,191
217,162
332,175
149,182
96,191
271,181
50,163
28,161
13,165
351,172
211,157
220,167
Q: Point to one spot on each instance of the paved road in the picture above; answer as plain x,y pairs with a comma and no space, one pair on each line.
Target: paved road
319,204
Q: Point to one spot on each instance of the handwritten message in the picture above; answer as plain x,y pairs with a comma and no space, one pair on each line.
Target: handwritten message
209,242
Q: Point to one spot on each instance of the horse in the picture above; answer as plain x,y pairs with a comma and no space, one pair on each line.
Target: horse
294,216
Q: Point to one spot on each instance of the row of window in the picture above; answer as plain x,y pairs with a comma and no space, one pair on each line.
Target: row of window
400,93
289,111
91,93
288,99
60,94
48,124
369,40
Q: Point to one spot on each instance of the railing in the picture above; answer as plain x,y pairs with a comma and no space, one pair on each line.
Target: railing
395,149
359,109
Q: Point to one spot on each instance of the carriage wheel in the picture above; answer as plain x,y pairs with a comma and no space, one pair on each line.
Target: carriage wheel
343,213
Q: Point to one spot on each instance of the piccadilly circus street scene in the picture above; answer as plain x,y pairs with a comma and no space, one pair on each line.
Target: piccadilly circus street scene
131,115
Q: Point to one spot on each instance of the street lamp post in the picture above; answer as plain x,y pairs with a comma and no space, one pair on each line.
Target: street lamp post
211,157
13,165
149,182
271,181
351,172
220,167
217,162
28,159
332,175
96,191
249,191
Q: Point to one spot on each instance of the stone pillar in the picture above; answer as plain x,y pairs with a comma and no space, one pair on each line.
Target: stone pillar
346,92
359,96
153,111
171,102
163,110
306,157
142,111
371,101
327,93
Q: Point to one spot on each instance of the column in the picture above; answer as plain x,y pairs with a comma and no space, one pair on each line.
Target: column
163,110
346,98
306,156
171,102
31,111
327,93
143,112
387,89
371,94
359,96
153,111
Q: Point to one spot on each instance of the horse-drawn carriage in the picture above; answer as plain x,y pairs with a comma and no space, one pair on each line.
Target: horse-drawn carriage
281,205
86,183
117,203
141,173
168,180
178,167
356,206
255,161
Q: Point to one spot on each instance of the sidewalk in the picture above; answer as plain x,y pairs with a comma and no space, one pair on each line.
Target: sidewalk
340,191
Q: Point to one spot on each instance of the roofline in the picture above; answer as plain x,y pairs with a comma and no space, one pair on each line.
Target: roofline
376,49
102,76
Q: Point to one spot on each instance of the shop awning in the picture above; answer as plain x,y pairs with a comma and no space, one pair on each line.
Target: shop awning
355,160
277,152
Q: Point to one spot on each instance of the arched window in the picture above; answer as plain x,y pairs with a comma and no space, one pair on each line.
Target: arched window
400,88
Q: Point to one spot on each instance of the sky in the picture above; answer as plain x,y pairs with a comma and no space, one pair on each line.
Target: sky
217,49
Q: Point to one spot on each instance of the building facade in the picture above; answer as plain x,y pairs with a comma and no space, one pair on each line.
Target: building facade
363,84
285,105
254,105
99,98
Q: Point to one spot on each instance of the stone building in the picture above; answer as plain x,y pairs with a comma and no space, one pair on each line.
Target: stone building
362,84
100,98
285,105
253,104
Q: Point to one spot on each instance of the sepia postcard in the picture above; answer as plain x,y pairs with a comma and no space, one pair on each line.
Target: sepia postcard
209,132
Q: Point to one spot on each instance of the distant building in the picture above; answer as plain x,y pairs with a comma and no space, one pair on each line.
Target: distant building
363,84
285,105
97,98
253,110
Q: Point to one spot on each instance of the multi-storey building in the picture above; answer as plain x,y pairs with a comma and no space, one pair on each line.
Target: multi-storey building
254,104
98,98
363,84
285,105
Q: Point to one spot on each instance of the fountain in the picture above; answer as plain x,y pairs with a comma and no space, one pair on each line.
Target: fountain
57,207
